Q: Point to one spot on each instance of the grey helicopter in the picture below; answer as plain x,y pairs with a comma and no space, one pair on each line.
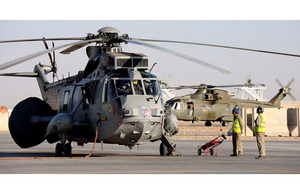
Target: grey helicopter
114,100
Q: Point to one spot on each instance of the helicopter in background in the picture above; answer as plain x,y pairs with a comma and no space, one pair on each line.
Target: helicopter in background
210,104
114,100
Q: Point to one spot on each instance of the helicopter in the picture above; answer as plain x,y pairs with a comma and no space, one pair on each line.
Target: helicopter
114,100
209,103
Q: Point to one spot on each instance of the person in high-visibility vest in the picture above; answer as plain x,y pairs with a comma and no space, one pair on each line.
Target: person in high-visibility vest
237,130
260,124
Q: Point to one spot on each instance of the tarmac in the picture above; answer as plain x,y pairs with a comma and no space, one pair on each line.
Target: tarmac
283,157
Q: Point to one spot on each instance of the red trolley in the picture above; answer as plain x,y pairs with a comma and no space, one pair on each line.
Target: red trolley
212,146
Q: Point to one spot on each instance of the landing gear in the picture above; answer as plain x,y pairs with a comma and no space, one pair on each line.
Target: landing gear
225,124
163,149
167,148
63,150
208,123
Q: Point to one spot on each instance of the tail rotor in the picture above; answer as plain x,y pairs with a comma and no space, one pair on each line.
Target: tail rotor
52,60
286,90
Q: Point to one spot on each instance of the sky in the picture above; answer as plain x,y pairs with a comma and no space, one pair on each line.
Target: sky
272,35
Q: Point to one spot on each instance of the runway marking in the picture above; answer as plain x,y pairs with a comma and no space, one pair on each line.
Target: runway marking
214,164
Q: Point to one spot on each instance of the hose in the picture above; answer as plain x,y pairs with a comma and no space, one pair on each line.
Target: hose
30,158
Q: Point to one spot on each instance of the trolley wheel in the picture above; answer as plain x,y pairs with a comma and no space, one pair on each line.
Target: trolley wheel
211,152
199,152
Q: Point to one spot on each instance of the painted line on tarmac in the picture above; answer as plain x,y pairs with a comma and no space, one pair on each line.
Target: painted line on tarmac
212,164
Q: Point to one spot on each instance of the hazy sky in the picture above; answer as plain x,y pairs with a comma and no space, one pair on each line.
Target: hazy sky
281,36
230,26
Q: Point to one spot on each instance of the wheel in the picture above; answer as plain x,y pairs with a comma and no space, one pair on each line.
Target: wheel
211,151
208,123
199,152
225,124
67,149
58,149
163,149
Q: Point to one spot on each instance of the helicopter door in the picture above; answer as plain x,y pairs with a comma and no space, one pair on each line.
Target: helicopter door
111,109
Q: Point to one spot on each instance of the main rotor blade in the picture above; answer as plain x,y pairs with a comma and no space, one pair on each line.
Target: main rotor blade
20,74
73,48
220,46
179,55
214,86
34,55
250,85
46,39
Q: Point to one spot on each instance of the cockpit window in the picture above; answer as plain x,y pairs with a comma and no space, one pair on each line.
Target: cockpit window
138,88
176,106
151,87
124,87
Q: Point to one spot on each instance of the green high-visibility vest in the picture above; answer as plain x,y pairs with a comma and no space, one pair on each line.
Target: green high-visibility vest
261,127
236,128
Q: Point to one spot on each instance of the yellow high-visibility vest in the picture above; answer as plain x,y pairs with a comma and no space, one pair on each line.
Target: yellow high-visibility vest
261,127
236,128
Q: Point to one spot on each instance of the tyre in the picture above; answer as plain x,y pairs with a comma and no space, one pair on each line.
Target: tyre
163,150
199,152
68,149
211,151
58,149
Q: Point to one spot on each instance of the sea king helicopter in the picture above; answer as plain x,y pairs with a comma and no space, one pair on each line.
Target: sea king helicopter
115,99
211,104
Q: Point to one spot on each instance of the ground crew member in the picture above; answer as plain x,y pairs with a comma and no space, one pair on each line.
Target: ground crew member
237,130
260,124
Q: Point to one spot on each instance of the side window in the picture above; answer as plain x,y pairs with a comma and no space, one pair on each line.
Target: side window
228,108
104,92
176,106
66,100
211,108
204,108
151,87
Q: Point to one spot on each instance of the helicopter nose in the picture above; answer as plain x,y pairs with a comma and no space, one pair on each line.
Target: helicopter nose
140,129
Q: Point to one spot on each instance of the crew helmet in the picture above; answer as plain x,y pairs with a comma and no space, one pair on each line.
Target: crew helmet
235,110
259,109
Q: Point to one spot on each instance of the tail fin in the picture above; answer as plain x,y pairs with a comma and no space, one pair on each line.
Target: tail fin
276,100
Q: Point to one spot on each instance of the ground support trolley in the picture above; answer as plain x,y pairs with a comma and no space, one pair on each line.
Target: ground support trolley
212,146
